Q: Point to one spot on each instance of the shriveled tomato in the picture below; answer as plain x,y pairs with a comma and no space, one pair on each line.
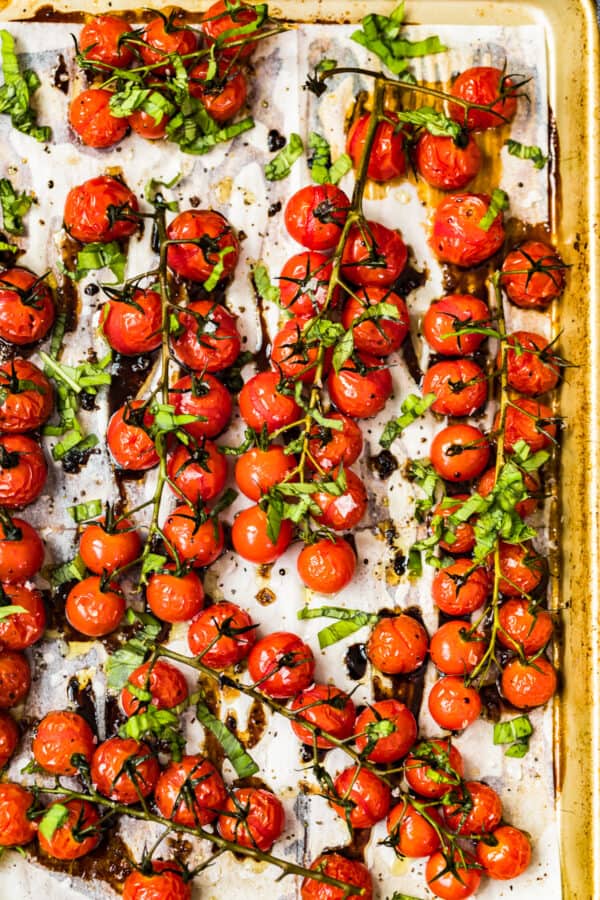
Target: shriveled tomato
20,630
454,883
27,396
132,325
412,834
256,470
253,817
397,644
460,452
172,597
331,446
342,511
204,239
210,341
15,678
463,534
223,95
165,684
91,119
434,767
195,538
393,746
198,472
294,356
477,810
304,283
373,256
327,566
460,386
528,683
101,41
445,318
523,626
190,792
387,158
163,36
9,737
59,737
104,549
453,704
315,215
328,709
94,610
23,470
15,826
455,650
128,437
530,421
219,19
457,236
21,550
281,665
526,507
26,307
446,164
87,210
250,536
365,797
348,871
533,275
146,126
382,335
461,588
266,401
203,396
361,388
488,87
124,770
164,881
507,855
78,835
521,567
531,366
222,635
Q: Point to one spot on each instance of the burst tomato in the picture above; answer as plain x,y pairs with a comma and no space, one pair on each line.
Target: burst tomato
460,387
133,325
464,536
484,86
93,610
508,856
478,809
394,746
533,275
253,817
196,539
257,471
222,635
412,834
315,215
460,452
87,210
27,396
9,737
380,336
281,665
165,684
397,644
526,507
461,588
23,470
452,884
172,597
361,388
250,536
210,341
220,18
521,567
328,709
433,767
449,315
373,256
331,446
327,566
348,871
91,119
365,798
523,627
304,284
190,792
21,550
528,683
455,650
214,242
344,511
295,357
105,550
15,678
530,421
164,881
15,826
20,630
531,367
387,158
452,704
198,473
162,37
59,737
265,402
203,396
128,437
26,307
123,770
224,95
78,835
446,165
146,126
457,237
101,41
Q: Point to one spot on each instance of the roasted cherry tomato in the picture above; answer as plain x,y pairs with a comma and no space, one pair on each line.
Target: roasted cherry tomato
104,550
328,709
214,242
9,737
132,325
61,735
331,446
23,470
26,307
455,650
373,255
257,471
27,396
315,215
224,95
250,536
15,678
87,210
461,588
253,817
361,388
327,566
380,336
146,126
295,357
190,792
92,610
123,770
348,871
341,512
265,401
508,856
530,421
304,284
366,798
15,826
78,835
531,367
523,627
387,158
460,452
222,635
397,644
203,396
220,18
195,538
521,567
21,550
172,597
452,704
393,746
464,536
460,387
210,340
20,630
434,767
484,86
128,439
457,237
449,315
165,684
528,683
526,507
100,41
478,809
281,665
412,834
198,472
533,275
446,165
91,119
165,37
452,884
164,882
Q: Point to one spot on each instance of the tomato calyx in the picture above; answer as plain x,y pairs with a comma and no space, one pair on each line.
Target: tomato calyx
9,459
11,532
31,296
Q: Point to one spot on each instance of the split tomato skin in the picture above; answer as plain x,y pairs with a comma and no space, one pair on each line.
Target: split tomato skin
314,705
192,261
91,119
450,314
281,665
362,245
444,164
327,566
23,470
116,763
458,591
225,95
533,275
457,885
210,341
100,41
522,569
314,216
93,611
163,40
163,881
464,535
452,704
360,395
293,356
523,628
130,330
60,735
65,843
397,645
129,442
16,828
202,395
106,551
21,551
15,678
527,684
412,834
9,737
530,421
370,796
218,19
201,802
423,759
86,210
344,511
460,387
174,598
348,871
456,237
24,407
21,630
222,635
485,86
526,507
198,473
382,336
251,540
531,368
163,681
331,447
304,283
26,307
460,452
479,811
396,745
145,125
264,404
387,158
508,857
196,542
262,822
257,471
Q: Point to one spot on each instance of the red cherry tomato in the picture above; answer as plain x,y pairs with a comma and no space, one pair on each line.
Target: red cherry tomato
214,234
250,536
528,683
461,588
15,678
264,403
257,471
166,685
478,810
343,511
464,536
199,473
411,832
174,598
100,41
457,237
123,770
224,95
369,797
446,165
23,470
253,817
165,38
59,737
397,645
281,665
77,836
434,767
133,326
531,367
92,610
450,884
484,86
128,439
452,704
105,551
27,397
87,207
194,538
327,566
315,215
455,650
20,630
9,737
295,357
163,882
508,856
219,18
210,341
146,126
91,119
530,421
373,256
380,336
361,388
304,283
533,275
523,627
522,569
348,871
526,507
26,307
190,792
15,826
203,396
451,314
328,709
331,446
222,635
21,550
460,452
460,386
395,745
387,158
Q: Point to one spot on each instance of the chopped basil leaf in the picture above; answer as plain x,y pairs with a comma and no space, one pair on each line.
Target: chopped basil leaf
412,408
264,287
434,121
16,92
159,723
100,256
14,206
522,151
380,35
398,895
69,571
239,758
84,511
281,164
6,611
343,350
513,730
518,750
321,169
8,248
127,658
55,816
123,103
152,562
217,270
349,621
498,203
71,440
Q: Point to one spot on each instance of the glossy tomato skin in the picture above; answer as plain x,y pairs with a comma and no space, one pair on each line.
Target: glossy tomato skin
91,119
456,236
452,704
192,261
15,828
348,871
262,818
119,765
293,356
250,538
222,635
446,165
174,598
9,737
99,41
21,551
210,341
93,611
527,684
315,215
218,19
397,644
369,795
458,591
526,507
23,470
345,511
442,758
531,368
464,536
281,665
314,705
360,248
263,403
457,885
128,439
202,395
331,447
485,86
478,811
106,551
450,314
224,95
396,745
256,470
131,330
163,40
360,395
203,783
460,452
199,473
194,541
60,735
304,282
15,678
21,630
533,275
145,125
522,627
327,566
24,407
521,567
460,386
455,650
163,881
508,857
530,421
26,307
412,834
163,681
381,336
65,843
86,210
387,158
